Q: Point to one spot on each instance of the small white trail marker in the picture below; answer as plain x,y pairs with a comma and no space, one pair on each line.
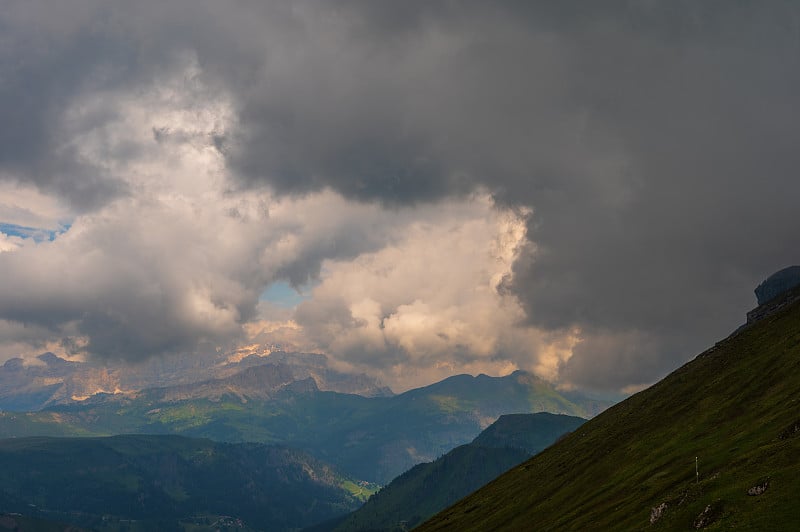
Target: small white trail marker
696,470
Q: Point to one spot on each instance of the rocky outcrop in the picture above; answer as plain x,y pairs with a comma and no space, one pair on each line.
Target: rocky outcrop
774,305
758,489
779,290
710,514
778,283
657,512
790,431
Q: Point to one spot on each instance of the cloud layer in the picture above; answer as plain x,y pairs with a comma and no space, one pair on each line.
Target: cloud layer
639,159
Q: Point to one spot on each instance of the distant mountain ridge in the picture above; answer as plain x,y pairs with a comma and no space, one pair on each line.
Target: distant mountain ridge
50,380
369,438
253,383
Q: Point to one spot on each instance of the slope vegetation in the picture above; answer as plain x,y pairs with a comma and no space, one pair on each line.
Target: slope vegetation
428,488
734,409
159,481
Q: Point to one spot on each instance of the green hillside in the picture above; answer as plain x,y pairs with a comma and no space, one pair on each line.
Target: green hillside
373,439
168,483
428,488
736,408
530,432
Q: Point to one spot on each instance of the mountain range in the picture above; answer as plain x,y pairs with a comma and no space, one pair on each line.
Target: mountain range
368,438
347,432
47,380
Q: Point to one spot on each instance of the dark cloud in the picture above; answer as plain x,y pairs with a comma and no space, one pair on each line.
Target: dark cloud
669,244
49,58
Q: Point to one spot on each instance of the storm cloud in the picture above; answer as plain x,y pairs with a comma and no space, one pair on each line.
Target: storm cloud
649,150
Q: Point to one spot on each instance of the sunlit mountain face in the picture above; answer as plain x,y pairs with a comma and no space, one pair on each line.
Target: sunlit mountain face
48,380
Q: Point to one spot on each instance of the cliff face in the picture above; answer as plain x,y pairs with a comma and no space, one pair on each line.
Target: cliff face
773,305
778,283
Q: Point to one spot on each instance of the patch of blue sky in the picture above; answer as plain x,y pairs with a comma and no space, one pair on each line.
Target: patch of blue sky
282,294
37,234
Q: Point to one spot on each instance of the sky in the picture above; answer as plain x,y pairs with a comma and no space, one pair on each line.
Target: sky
587,191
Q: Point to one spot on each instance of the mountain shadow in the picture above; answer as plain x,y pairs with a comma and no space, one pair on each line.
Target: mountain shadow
428,488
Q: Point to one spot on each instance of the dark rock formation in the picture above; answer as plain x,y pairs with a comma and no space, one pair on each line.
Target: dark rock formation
774,305
778,283
780,289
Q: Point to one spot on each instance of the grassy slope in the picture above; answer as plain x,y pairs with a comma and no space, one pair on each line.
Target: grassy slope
428,488
735,407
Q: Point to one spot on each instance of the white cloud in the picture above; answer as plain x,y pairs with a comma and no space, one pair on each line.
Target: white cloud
430,303
10,243
174,262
